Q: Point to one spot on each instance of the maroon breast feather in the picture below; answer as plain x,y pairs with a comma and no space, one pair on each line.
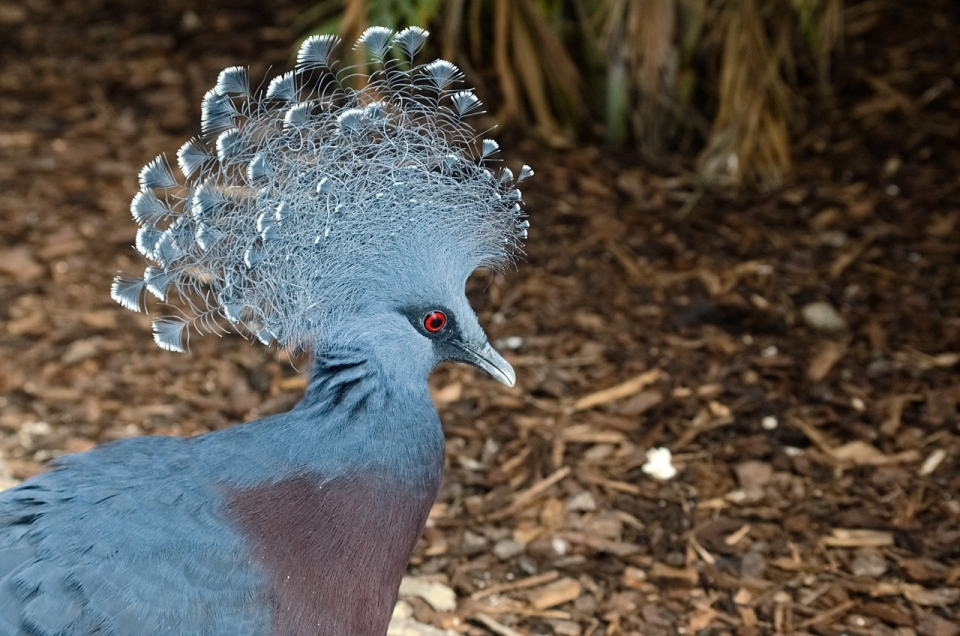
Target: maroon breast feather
334,552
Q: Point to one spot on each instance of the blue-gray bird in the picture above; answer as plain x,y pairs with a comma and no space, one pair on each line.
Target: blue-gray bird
338,212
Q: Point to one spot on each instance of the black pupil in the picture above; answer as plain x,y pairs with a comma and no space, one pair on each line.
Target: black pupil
434,321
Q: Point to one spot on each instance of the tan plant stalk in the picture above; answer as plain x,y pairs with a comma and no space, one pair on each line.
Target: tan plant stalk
510,109
749,141
652,31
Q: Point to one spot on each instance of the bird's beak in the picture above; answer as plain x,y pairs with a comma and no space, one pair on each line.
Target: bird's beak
487,358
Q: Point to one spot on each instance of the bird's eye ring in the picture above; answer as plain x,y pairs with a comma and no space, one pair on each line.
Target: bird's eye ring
435,321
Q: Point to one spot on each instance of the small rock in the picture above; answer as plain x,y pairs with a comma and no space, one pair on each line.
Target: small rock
565,628
753,474
581,502
30,432
659,464
508,548
403,624
823,316
472,543
439,596
604,524
868,562
753,565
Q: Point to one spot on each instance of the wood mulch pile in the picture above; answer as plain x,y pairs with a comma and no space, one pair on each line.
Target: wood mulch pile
796,352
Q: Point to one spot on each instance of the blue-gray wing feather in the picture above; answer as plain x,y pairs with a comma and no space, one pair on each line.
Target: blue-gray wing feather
92,547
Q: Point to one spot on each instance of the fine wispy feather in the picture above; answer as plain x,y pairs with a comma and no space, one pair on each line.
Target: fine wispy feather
300,204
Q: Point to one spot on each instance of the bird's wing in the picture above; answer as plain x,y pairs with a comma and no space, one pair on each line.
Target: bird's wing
124,540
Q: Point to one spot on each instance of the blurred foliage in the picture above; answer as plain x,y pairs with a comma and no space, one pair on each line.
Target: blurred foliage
718,76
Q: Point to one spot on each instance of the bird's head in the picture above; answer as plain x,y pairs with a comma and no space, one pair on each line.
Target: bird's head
413,316
318,214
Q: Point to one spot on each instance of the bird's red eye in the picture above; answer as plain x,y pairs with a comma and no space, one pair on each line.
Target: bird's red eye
435,321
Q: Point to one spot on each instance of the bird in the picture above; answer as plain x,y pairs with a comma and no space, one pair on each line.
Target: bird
336,211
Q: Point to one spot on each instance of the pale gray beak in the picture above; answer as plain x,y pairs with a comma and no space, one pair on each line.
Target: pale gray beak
489,360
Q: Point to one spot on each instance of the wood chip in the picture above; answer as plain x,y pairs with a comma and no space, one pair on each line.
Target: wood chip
735,537
850,538
619,548
895,405
829,615
440,597
863,454
748,616
827,356
497,628
932,461
502,605
609,484
661,571
532,581
522,498
618,392
295,383
702,552
556,593
915,593
448,394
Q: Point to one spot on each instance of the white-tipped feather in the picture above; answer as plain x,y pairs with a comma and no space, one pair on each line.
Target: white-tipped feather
282,87
411,40
229,145
217,112
489,147
376,40
315,52
147,238
157,174
168,334
192,156
233,81
465,102
128,292
442,73
147,208
298,115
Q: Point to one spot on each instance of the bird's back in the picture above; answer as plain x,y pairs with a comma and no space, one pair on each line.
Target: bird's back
130,539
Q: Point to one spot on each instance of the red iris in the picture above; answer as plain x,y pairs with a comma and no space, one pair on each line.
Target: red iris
435,321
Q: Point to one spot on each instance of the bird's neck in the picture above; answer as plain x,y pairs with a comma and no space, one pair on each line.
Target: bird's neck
335,533
373,418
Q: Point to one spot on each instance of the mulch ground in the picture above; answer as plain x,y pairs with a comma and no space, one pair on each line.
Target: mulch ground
797,352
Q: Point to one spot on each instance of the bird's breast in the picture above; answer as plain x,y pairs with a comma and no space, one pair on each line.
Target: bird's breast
333,552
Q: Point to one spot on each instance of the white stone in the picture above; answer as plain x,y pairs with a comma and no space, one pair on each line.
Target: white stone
440,597
823,316
660,464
